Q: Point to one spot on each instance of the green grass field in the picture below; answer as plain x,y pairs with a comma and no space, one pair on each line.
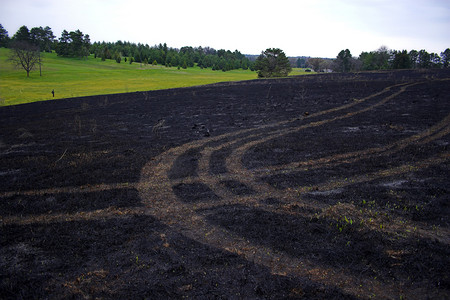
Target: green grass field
72,77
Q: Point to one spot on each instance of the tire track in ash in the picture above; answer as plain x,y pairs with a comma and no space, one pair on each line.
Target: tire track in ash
222,140
183,201
161,168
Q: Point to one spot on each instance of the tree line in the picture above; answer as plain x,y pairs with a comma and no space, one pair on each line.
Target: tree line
77,44
203,57
380,59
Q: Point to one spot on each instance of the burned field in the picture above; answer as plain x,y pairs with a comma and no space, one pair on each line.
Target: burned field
327,186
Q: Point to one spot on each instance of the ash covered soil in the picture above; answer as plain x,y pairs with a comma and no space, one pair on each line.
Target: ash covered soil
325,186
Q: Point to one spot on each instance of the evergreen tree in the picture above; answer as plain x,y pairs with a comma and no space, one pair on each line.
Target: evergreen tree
74,44
445,57
63,47
435,60
86,46
424,59
401,60
301,63
43,38
272,63
4,38
343,61
105,54
49,39
117,57
204,57
382,57
413,56
22,35
367,60
77,43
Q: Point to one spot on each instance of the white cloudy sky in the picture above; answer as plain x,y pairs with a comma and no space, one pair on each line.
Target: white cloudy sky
300,27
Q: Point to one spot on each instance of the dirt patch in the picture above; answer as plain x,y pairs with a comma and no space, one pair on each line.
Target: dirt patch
327,186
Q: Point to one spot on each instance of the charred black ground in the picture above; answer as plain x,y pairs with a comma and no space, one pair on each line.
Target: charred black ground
327,186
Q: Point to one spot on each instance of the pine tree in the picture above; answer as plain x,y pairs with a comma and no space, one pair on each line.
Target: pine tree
22,35
343,61
273,63
4,38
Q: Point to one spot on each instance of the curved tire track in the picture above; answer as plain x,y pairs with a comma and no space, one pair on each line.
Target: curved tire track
157,189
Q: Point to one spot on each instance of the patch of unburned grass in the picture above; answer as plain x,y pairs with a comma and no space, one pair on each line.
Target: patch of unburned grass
72,77
75,77
300,71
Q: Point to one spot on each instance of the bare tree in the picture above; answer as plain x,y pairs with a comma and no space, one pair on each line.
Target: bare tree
25,56
315,63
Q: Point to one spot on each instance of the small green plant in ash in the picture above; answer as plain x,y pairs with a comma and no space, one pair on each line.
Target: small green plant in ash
344,223
342,216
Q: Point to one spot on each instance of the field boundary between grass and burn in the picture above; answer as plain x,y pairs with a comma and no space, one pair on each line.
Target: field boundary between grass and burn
76,77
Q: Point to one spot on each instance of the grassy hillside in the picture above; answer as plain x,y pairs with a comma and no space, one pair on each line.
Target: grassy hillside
77,77
72,77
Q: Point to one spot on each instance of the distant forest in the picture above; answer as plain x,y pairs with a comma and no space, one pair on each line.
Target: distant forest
161,54
78,44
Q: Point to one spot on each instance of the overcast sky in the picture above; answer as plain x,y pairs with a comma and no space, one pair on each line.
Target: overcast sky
318,28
